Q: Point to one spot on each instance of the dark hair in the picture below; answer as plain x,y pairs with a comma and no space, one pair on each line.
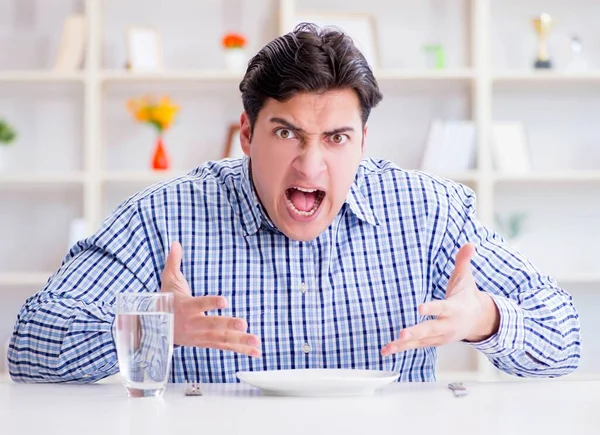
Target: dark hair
308,59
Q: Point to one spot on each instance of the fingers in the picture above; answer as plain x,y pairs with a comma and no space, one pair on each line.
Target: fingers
237,348
436,308
202,304
173,263
220,335
401,345
172,278
430,333
462,269
462,263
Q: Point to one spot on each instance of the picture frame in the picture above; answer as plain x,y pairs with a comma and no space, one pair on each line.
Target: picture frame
144,49
232,148
361,27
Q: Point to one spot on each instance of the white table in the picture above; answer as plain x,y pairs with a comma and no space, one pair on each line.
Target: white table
540,407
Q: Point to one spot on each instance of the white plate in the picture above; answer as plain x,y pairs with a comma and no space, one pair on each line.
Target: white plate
318,382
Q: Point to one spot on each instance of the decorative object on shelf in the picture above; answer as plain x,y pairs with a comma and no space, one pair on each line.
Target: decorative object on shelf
144,49
360,27
72,44
542,26
7,136
160,113
78,230
450,147
233,147
439,55
578,61
511,228
236,58
510,152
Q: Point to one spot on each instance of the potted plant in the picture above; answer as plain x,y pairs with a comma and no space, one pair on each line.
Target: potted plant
236,59
7,136
160,114
512,227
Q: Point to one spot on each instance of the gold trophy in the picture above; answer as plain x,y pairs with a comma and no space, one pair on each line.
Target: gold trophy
542,25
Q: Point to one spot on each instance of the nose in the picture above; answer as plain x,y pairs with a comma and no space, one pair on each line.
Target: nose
311,162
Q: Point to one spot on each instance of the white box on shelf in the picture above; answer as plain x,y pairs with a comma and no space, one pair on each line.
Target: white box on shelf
510,151
450,147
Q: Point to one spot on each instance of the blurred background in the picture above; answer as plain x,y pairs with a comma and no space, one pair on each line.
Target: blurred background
102,98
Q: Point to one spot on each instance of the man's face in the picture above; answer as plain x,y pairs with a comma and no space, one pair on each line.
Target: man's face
304,154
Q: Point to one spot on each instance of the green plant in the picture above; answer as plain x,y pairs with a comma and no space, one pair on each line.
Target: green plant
7,133
512,226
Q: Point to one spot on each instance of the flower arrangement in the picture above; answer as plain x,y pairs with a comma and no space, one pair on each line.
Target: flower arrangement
159,113
233,41
235,56
7,133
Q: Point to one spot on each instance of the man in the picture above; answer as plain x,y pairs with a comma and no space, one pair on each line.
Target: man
305,254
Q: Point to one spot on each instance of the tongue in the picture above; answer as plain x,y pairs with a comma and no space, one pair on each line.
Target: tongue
303,201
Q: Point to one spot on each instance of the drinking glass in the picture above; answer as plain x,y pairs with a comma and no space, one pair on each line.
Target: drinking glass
144,335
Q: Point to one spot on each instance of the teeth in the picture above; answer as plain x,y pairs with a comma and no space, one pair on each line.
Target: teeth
302,189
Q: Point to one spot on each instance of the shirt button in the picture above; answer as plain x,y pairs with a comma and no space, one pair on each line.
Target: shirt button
303,287
306,348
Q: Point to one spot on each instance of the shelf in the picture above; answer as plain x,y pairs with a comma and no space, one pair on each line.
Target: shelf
170,76
40,178
550,177
24,278
140,176
579,279
40,76
216,75
417,75
546,76
471,176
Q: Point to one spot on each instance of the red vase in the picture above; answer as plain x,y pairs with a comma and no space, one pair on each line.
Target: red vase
160,159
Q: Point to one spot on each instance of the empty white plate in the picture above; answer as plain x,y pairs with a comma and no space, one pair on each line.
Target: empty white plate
318,382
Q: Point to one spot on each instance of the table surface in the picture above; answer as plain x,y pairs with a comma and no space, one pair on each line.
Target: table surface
535,407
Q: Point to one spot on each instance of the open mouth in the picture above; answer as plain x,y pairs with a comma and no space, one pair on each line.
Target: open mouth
304,202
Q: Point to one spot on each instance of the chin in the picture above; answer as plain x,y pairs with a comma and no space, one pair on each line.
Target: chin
303,234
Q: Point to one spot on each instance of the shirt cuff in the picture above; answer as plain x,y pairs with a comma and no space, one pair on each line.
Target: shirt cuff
511,332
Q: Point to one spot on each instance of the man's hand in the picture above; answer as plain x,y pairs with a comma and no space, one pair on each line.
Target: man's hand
192,326
466,314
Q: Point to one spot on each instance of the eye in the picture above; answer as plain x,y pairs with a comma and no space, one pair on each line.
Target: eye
285,133
338,139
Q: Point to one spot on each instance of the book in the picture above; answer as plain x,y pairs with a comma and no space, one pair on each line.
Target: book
72,44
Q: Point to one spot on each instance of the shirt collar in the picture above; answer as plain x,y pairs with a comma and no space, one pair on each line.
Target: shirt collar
253,215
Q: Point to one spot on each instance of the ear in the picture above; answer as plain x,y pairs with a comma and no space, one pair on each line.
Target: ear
364,139
245,133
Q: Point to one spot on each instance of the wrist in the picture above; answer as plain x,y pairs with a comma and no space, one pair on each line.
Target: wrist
489,320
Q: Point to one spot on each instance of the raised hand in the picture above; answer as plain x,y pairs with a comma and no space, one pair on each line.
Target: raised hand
466,314
192,326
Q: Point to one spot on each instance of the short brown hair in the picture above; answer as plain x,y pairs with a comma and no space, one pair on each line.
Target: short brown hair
308,59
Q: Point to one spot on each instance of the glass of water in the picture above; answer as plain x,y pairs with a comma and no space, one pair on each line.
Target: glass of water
144,335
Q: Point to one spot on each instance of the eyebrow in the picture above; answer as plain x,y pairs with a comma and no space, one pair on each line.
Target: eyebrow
291,126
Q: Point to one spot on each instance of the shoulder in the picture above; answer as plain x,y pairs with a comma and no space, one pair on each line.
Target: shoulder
202,184
387,185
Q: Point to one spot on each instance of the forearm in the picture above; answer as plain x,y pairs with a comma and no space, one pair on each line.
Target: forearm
62,340
538,335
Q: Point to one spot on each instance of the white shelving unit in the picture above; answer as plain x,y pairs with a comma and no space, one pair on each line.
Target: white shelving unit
482,84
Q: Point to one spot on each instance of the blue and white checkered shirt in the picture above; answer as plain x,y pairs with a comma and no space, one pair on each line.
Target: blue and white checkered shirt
333,302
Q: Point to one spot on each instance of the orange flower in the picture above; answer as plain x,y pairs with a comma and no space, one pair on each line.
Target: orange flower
234,40
159,113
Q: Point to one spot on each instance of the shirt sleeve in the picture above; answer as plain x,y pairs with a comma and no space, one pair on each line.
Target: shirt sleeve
64,332
539,332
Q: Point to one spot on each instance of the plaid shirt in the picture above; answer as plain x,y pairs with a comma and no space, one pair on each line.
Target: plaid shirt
332,302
